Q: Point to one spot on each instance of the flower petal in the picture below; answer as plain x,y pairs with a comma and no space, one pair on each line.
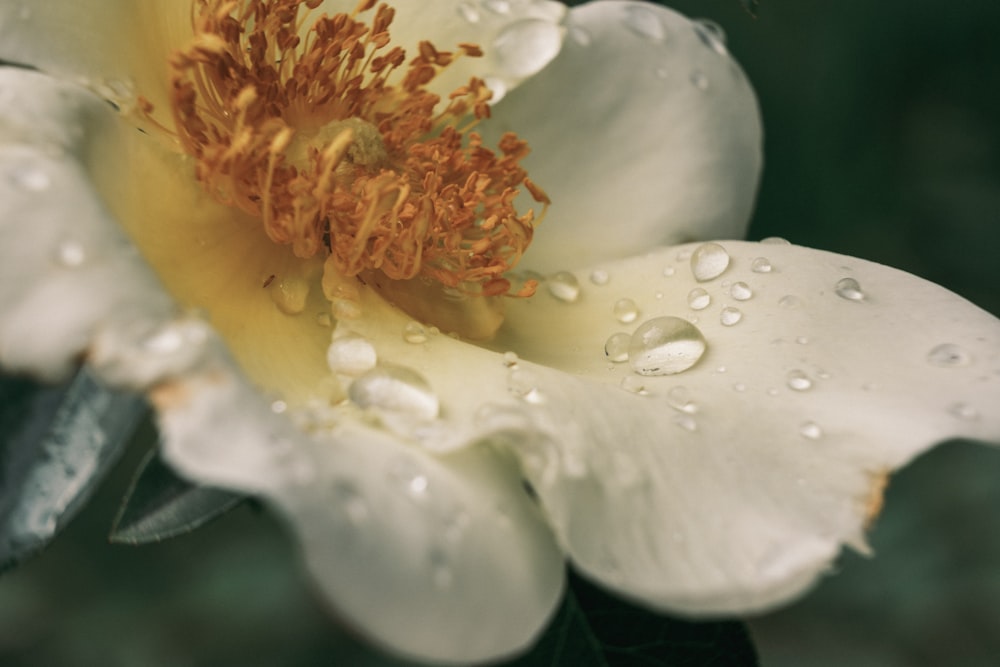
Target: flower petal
115,47
441,559
730,486
68,272
643,132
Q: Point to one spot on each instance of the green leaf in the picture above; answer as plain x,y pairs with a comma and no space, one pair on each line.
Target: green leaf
56,445
751,6
161,505
596,629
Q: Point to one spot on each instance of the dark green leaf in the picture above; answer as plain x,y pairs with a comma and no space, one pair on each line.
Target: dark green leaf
161,505
596,629
56,445
751,6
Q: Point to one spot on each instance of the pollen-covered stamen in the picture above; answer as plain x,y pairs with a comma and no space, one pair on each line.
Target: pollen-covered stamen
338,147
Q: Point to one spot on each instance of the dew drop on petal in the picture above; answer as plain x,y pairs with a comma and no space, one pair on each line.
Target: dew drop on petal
949,355
711,35
740,291
963,411
351,354
644,22
468,12
686,422
563,286
599,277
802,340
730,316
634,385
290,295
810,430
415,332
775,240
848,288
500,7
625,310
397,390
739,387
665,345
790,301
679,398
798,380
669,272
524,47
70,254
699,80
523,384
761,265
30,178
616,347
709,261
698,299
510,359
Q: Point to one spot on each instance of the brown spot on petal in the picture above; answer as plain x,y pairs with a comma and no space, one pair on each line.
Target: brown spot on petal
875,498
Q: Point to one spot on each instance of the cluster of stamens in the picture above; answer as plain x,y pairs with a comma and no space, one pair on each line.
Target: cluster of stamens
326,134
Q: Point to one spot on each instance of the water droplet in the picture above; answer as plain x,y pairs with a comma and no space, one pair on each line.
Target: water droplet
709,261
669,272
730,316
70,254
616,347
415,333
500,7
634,385
525,46
698,299
29,177
775,240
810,430
740,291
290,295
963,411
949,355
625,310
279,407
739,387
510,359
790,301
761,265
711,35
679,398
348,500
644,22
798,380
599,277
468,12
396,390
686,422
848,288
802,340
665,345
564,286
523,384
699,80
351,354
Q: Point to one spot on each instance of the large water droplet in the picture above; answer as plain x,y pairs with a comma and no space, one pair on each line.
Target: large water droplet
665,345
949,355
761,265
740,291
698,299
616,347
396,390
798,380
625,310
644,22
709,261
526,46
848,288
351,354
564,286
711,35
523,384
730,316
415,332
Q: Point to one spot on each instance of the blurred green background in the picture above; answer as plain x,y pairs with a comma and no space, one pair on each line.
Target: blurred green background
883,142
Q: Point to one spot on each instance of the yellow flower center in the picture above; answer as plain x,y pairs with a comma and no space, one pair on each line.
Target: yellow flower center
341,151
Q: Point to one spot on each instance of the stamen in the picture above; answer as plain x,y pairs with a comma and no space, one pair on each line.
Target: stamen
339,149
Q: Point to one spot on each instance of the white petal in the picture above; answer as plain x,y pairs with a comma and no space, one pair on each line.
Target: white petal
117,48
731,486
68,272
441,559
643,132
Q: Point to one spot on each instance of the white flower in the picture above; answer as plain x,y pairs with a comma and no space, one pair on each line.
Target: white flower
700,427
